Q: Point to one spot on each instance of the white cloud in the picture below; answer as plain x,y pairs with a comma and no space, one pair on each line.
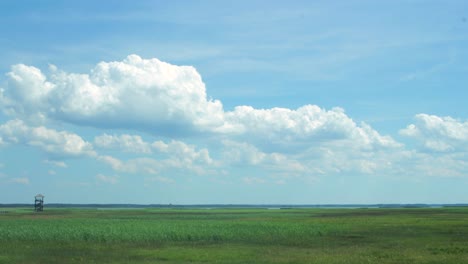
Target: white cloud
29,87
49,140
174,154
163,99
285,128
152,166
183,152
178,151
277,165
144,165
417,164
441,134
135,93
321,158
246,154
346,157
107,179
442,145
22,180
242,153
127,143
115,163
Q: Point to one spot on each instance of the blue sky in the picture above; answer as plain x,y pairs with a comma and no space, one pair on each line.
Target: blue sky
187,102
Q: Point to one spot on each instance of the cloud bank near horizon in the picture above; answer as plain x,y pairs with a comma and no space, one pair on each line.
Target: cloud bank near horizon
163,99
170,103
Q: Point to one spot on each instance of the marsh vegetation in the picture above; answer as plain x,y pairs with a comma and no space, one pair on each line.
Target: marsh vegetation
424,235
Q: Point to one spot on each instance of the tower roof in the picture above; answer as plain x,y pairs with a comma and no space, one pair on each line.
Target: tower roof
39,196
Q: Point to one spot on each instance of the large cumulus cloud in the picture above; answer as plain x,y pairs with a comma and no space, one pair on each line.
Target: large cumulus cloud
169,101
133,93
163,99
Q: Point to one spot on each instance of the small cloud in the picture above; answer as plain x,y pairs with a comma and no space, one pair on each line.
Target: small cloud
436,133
49,140
107,179
52,172
23,180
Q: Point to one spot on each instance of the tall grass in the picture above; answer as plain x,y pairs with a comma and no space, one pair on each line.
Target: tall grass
235,236
168,226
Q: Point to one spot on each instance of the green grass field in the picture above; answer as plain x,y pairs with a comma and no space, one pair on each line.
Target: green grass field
234,236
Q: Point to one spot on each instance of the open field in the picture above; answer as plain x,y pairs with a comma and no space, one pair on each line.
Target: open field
425,235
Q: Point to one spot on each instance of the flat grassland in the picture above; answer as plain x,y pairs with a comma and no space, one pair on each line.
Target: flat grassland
425,235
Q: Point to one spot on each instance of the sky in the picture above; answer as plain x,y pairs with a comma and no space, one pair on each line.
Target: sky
234,102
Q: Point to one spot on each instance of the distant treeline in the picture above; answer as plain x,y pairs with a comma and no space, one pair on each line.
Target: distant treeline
272,206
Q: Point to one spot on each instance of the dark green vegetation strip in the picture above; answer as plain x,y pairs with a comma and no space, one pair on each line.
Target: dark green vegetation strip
235,236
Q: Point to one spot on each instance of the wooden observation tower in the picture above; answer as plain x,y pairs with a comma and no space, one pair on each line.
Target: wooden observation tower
39,203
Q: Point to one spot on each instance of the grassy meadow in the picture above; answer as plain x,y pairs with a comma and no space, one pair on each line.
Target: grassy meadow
425,235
